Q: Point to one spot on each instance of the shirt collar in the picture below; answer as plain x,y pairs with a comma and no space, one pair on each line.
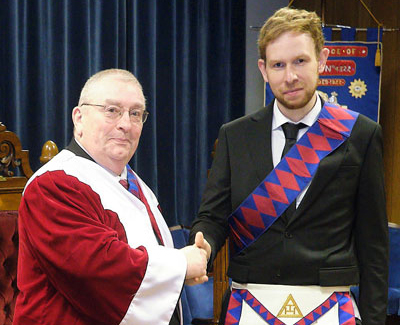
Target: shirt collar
124,174
279,119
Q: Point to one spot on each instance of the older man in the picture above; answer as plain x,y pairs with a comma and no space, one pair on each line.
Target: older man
94,248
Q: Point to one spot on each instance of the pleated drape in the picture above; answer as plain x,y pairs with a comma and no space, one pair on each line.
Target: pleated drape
188,55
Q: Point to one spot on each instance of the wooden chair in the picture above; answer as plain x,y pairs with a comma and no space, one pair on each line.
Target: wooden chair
221,280
12,158
219,273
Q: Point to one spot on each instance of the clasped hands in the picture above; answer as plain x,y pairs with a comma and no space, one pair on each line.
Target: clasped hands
197,256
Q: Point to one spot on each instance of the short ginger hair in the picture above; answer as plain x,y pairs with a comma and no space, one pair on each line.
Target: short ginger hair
290,20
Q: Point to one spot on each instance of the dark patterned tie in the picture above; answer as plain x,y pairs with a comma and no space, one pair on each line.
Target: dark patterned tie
290,130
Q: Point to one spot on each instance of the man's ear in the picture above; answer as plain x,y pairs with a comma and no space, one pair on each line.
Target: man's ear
323,57
262,68
77,117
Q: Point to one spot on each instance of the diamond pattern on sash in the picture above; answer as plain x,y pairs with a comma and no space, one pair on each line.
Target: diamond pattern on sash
292,174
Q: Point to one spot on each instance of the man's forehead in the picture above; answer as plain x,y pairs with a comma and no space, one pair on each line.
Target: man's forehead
114,89
299,44
115,82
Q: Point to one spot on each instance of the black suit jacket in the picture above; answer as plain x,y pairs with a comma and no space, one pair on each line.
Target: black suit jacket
337,236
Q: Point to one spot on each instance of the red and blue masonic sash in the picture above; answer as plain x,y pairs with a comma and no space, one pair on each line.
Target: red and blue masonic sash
292,174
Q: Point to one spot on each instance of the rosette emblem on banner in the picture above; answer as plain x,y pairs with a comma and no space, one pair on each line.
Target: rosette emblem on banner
351,78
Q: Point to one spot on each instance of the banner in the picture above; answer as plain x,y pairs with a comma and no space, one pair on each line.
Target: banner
350,78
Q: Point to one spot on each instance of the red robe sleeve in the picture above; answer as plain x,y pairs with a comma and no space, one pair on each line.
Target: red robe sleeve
74,253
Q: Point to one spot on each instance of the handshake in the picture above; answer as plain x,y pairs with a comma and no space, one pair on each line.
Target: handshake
197,256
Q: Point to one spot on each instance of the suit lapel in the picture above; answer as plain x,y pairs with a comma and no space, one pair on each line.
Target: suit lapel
258,141
327,169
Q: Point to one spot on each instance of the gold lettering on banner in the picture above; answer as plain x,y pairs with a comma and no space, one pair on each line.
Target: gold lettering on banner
290,309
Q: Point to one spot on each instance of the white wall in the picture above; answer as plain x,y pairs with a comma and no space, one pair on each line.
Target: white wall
257,11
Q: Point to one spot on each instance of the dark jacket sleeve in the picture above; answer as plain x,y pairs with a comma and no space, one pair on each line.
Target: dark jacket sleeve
371,233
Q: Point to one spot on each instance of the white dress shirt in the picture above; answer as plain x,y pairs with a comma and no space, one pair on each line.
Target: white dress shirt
278,137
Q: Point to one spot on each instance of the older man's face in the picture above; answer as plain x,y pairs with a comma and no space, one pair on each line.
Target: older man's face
111,143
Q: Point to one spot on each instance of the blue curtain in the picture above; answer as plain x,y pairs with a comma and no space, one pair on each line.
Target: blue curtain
188,55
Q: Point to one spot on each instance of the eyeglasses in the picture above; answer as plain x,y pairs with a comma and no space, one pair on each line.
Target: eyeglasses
114,113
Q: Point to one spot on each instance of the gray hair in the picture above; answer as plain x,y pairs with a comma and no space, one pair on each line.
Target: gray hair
104,74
